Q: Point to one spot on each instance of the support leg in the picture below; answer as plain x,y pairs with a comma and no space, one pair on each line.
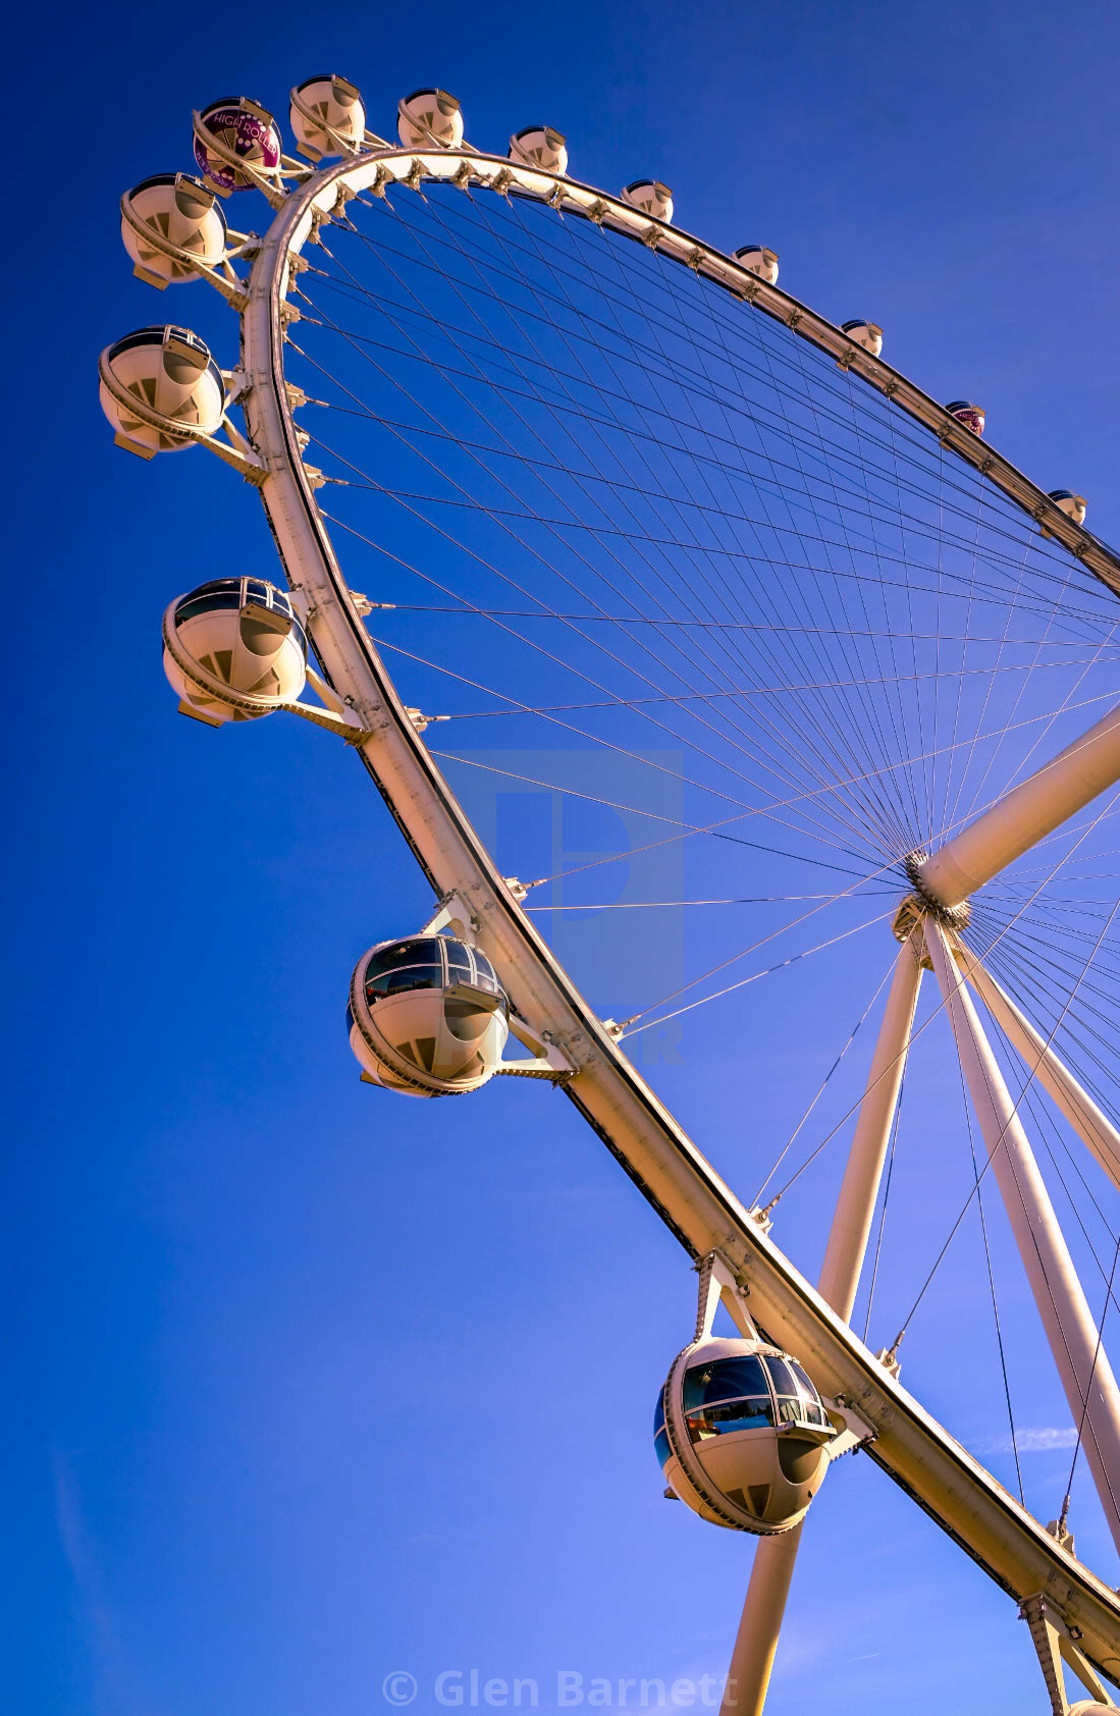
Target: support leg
760,1628
851,1224
1086,1374
753,1657
1091,1124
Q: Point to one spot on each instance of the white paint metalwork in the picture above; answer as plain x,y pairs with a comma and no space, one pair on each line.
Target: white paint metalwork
1071,1329
851,1223
1013,1547
756,1642
553,1018
752,1660
1088,1120
1049,797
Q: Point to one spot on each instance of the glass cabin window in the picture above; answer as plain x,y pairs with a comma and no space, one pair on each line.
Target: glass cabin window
805,1384
782,1376
213,584
411,977
206,603
812,1408
421,950
403,965
486,978
724,1379
660,1434
458,962
798,1400
732,1415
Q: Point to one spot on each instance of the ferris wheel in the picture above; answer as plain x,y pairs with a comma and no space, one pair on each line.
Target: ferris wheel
784,609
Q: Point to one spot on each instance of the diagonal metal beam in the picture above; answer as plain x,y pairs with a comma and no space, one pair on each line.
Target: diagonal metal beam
855,1206
1087,1378
1024,816
1090,1122
752,1659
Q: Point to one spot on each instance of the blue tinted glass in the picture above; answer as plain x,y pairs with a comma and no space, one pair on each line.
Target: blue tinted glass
206,604
420,950
662,1449
805,1385
659,1412
725,1379
783,1378
412,977
731,1416
214,585
458,961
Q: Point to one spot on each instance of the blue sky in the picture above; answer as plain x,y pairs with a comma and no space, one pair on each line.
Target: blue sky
311,1387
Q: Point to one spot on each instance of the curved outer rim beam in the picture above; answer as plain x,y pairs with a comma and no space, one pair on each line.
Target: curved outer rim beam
378,168
968,1503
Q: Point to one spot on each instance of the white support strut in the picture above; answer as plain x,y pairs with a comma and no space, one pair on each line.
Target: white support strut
752,1659
1087,1378
1025,815
756,1642
1091,1124
851,1223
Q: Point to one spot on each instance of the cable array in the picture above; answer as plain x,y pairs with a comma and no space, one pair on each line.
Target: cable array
604,509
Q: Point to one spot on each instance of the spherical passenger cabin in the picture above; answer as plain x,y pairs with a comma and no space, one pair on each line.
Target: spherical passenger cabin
972,416
742,1435
869,335
427,1016
756,259
169,370
1074,506
539,146
652,197
234,649
322,101
181,210
430,118
244,129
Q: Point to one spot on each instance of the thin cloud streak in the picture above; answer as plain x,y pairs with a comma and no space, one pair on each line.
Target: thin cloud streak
1041,1441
